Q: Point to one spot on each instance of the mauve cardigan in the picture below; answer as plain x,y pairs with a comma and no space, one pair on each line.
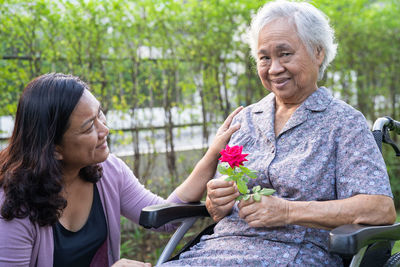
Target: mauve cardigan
25,244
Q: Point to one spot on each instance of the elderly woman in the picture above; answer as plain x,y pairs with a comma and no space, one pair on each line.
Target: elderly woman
62,193
314,150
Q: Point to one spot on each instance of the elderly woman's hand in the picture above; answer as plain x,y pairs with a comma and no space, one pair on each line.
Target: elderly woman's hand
269,212
221,196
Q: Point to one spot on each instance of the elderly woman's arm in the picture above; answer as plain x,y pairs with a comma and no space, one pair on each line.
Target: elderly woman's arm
359,209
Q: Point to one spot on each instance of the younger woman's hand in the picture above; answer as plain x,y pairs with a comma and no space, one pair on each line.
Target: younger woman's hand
225,132
130,263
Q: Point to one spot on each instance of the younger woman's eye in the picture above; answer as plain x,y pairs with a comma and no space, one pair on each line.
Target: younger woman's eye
102,117
88,130
101,114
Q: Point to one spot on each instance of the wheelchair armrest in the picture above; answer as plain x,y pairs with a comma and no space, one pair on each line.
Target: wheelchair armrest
348,239
158,215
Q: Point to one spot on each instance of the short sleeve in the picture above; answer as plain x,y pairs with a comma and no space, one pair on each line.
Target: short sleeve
16,242
360,168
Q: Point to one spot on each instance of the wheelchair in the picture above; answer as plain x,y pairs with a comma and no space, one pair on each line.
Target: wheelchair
357,245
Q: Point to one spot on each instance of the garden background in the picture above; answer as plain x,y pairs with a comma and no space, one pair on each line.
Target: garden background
168,71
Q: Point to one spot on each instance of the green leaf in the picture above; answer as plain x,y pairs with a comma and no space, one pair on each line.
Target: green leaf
235,178
242,187
244,169
228,179
240,197
257,197
267,191
230,172
222,169
252,174
257,188
246,197
236,175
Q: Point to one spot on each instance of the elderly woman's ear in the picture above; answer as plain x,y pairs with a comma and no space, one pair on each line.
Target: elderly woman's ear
319,55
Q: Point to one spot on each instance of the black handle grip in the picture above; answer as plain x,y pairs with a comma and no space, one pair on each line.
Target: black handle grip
381,129
158,215
396,126
378,139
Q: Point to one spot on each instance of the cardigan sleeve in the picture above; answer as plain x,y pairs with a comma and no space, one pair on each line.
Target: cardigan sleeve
134,196
17,239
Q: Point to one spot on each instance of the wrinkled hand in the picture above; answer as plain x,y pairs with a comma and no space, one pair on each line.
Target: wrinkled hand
130,263
225,132
221,197
269,212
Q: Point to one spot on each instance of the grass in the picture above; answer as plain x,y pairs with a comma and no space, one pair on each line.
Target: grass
396,247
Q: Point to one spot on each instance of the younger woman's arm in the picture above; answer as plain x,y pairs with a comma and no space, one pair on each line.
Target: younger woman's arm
193,188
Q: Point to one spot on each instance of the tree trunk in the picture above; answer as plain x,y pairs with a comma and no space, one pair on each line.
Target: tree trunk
151,156
169,135
135,132
204,109
224,83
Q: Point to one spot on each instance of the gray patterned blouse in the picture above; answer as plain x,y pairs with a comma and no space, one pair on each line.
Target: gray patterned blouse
324,152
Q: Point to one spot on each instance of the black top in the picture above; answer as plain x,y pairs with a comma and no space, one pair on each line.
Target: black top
78,248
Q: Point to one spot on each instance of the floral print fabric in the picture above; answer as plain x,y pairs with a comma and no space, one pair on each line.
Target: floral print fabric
324,152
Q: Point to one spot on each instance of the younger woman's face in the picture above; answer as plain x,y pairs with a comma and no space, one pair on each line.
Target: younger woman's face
85,141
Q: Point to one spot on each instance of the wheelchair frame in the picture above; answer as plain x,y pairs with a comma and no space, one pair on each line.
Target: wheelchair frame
352,240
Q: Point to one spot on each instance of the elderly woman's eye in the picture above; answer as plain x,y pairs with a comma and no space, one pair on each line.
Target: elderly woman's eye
264,59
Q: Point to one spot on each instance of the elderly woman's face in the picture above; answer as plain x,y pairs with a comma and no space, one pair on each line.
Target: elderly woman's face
284,65
85,141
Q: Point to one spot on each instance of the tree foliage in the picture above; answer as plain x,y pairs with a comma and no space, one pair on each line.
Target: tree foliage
180,54
161,53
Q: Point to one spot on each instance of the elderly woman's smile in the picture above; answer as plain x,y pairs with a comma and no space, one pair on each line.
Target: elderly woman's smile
280,82
285,66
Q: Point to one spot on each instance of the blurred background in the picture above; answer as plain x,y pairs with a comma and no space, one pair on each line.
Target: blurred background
168,72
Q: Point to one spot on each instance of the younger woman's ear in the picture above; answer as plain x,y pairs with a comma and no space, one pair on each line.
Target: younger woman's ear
57,154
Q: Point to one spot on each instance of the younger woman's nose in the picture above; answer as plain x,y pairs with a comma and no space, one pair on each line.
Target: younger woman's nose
102,129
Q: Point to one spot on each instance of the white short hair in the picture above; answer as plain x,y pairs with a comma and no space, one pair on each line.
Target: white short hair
312,27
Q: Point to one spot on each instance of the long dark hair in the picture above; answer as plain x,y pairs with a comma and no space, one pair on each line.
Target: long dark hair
30,175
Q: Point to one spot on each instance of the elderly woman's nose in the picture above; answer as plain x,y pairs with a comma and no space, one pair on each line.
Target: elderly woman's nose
275,67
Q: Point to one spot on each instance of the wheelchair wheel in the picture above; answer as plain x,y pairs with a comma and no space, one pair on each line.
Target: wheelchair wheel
393,261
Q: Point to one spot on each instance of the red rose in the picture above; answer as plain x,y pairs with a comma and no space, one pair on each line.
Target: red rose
233,155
